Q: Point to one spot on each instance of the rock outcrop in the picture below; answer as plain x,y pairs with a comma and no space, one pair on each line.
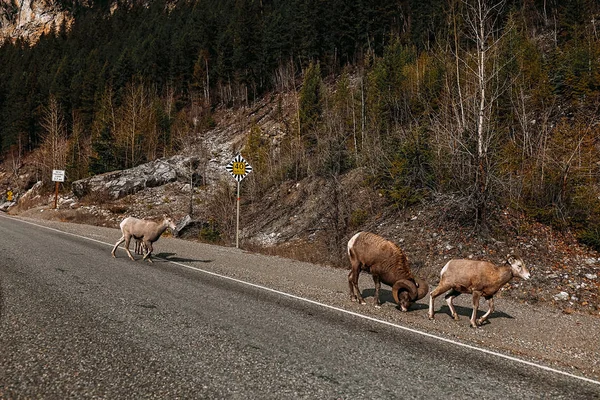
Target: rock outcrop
6,205
29,19
117,184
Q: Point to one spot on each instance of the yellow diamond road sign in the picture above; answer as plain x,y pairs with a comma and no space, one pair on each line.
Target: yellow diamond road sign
239,168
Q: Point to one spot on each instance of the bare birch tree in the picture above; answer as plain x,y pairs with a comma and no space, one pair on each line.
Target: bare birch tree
482,18
468,123
53,149
133,115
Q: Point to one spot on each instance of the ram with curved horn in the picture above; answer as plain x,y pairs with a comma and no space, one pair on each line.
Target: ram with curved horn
387,263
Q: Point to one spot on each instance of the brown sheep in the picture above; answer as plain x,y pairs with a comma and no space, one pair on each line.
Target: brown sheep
481,278
386,263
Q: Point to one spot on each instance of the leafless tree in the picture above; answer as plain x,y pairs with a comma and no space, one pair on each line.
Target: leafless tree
188,131
15,155
53,149
466,124
134,122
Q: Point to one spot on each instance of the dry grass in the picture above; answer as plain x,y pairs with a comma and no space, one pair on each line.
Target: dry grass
118,208
27,203
78,217
312,252
96,197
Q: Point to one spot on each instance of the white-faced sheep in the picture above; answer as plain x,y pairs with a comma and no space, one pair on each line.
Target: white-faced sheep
480,278
145,231
386,263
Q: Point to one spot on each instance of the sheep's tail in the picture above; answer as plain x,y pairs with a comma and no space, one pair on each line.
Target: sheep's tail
351,243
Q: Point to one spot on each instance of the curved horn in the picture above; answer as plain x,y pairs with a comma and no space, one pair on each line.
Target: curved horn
406,285
422,288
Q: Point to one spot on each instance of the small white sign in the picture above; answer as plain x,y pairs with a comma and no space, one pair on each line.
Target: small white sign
58,175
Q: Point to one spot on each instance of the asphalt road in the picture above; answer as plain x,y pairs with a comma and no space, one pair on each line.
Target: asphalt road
77,323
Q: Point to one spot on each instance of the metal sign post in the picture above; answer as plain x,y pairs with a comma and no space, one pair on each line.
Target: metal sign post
238,168
58,175
237,219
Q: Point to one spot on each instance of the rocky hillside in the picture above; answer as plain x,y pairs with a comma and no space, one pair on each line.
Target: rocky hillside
29,19
296,219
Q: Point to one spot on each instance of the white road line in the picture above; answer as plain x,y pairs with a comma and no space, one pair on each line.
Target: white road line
405,328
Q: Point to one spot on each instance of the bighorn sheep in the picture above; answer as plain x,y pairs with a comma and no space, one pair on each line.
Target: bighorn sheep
481,278
140,247
146,231
386,263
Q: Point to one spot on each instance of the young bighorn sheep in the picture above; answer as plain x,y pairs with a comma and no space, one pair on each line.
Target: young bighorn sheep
140,247
481,278
146,231
386,263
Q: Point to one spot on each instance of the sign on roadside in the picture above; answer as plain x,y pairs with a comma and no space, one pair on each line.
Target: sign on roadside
58,175
239,168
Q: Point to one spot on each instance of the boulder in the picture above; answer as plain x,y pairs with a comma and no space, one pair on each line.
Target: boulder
183,223
191,228
6,205
117,184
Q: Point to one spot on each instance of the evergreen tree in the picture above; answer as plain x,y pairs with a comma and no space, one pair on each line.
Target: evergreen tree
103,157
311,104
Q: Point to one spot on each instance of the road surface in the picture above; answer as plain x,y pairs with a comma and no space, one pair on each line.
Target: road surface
77,323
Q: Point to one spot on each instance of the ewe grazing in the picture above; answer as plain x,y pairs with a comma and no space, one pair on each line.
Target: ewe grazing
386,263
145,231
480,278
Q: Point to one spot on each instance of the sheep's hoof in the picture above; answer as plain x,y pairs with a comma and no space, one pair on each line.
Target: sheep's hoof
431,317
456,317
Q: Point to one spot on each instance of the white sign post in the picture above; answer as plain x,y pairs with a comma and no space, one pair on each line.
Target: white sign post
238,168
58,175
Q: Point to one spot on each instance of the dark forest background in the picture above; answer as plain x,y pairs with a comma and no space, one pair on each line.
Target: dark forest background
486,104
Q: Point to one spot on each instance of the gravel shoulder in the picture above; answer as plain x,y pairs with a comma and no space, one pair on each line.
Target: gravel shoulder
536,333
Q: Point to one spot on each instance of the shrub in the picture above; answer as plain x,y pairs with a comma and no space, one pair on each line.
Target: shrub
548,216
407,178
357,218
118,208
591,237
210,232
96,197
